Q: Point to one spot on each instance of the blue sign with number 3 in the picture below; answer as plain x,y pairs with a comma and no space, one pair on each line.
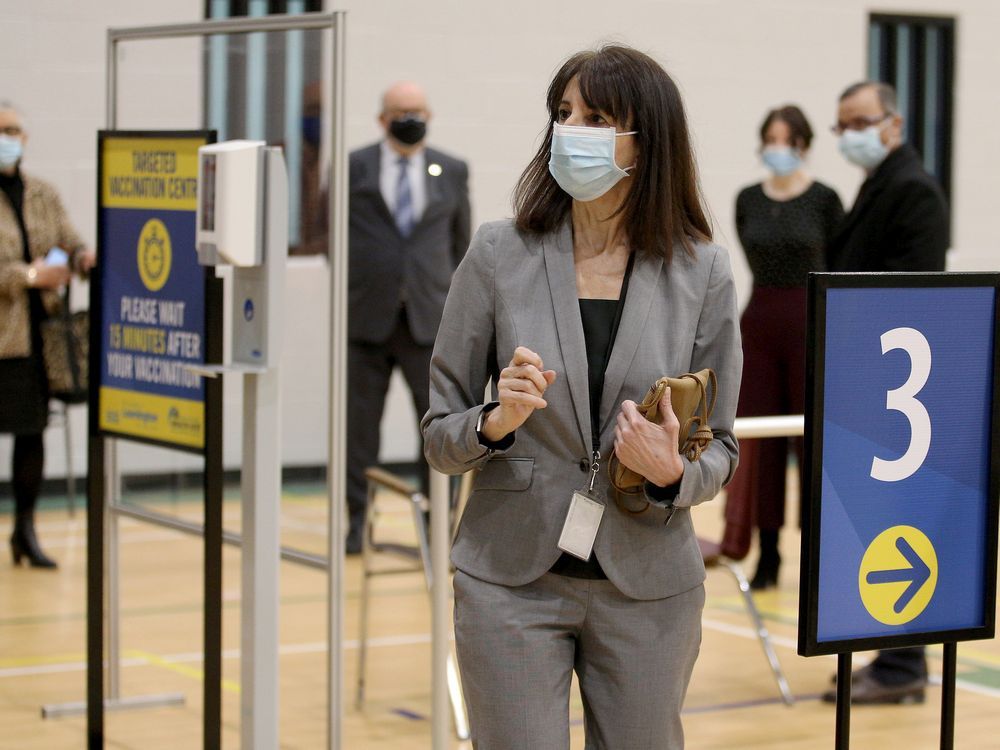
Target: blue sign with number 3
906,447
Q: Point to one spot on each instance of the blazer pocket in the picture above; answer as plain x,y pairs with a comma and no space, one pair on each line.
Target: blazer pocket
505,474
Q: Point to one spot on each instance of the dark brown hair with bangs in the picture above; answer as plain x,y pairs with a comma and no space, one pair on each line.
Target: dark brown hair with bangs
663,206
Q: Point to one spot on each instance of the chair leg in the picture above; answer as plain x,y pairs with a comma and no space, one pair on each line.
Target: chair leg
366,551
762,634
70,478
457,701
417,504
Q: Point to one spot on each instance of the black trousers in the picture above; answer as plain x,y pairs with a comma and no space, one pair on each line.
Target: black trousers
898,666
369,368
27,462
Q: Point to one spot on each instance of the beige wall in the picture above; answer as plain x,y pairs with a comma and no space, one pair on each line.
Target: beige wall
486,66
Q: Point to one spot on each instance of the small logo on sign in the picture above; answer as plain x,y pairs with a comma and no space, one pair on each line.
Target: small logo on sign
248,310
154,255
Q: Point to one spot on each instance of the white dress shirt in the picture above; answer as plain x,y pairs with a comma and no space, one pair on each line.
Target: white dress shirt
389,177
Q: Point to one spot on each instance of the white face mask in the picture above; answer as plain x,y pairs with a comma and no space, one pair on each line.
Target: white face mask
782,160
582,160
864,147
11,150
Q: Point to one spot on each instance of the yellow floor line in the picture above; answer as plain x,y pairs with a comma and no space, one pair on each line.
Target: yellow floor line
37,661
182,669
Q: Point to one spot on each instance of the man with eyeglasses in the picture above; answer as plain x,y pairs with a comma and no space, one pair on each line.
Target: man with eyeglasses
899,222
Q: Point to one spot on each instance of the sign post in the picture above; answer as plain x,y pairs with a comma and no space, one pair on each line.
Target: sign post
154,313
899,531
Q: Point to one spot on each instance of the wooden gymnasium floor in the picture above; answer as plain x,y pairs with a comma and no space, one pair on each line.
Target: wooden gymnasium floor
732,701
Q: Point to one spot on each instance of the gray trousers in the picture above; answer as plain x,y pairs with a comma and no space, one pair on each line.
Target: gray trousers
518,647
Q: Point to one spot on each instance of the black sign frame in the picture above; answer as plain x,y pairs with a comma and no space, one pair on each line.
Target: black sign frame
812,473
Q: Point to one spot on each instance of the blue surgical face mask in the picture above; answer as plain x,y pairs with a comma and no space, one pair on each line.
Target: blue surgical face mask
864,147
582,160
781,160
11,150
310,129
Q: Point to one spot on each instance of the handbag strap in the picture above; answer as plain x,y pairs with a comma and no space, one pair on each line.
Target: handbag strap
695,444
72,345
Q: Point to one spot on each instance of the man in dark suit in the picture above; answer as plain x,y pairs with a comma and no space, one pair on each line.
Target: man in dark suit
409,228
899,222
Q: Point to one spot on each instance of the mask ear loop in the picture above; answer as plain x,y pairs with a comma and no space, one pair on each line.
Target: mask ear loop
626,169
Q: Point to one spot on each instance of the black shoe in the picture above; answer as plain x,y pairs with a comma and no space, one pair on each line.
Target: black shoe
766,575
354,541
866,690
24,543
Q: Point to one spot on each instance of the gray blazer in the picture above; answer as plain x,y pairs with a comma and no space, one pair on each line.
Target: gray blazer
385,266
515,290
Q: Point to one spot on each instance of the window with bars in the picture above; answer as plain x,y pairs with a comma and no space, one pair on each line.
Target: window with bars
916,54
268,86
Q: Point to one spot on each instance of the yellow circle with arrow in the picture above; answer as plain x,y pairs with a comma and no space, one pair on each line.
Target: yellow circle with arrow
154,255
898,575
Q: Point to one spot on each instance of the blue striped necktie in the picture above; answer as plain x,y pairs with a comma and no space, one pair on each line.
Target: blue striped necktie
404,199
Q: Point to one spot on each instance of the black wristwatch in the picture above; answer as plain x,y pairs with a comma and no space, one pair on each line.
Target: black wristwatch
662,497
491,445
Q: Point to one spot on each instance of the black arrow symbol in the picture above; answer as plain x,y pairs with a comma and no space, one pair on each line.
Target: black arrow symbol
917,575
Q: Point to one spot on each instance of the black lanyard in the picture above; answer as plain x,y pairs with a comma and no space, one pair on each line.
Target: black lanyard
595,426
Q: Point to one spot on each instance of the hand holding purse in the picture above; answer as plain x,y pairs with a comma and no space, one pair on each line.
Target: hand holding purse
692,405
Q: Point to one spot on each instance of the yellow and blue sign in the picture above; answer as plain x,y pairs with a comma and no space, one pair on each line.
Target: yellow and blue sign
152,290
900,518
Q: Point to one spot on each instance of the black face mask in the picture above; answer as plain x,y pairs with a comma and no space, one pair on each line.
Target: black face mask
409,130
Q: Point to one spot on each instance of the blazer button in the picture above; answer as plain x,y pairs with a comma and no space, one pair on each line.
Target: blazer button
585,465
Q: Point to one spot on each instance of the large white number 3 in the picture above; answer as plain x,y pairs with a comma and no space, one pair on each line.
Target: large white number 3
902,399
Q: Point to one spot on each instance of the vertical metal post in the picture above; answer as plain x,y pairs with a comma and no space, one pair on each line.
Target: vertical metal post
294,64
112,612
218,71
95,592
843,738
256,84
948,696
261,491
213,479
440,590
336,472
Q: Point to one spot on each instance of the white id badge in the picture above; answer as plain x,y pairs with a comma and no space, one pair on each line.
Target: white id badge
580,529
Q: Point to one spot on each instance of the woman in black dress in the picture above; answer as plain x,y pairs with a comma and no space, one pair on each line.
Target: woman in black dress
784,224
32,224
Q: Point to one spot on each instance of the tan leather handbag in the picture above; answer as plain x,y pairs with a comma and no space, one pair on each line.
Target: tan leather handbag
693,406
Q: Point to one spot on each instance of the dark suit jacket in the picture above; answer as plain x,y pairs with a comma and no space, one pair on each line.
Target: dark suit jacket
385,267
899,221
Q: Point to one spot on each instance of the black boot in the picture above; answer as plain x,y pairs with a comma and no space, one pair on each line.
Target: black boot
766,576
24,543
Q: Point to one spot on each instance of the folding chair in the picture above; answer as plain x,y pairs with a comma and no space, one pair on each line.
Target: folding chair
420,561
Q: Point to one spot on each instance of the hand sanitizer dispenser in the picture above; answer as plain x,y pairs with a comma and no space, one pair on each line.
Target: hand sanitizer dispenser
242,221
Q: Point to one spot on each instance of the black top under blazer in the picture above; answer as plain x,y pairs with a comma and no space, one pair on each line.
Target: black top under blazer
385,267
899,221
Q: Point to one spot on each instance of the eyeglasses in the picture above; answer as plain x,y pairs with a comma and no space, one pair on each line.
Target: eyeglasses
11,130
859,123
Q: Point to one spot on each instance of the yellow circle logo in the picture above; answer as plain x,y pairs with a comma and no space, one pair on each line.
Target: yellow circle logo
898,575
154,255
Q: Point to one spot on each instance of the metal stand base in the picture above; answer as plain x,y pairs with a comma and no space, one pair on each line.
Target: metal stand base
78,708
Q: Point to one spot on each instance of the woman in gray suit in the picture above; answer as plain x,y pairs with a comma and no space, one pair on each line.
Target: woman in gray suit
605,280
